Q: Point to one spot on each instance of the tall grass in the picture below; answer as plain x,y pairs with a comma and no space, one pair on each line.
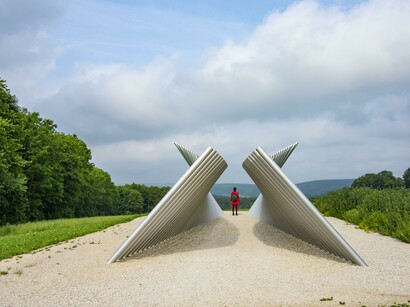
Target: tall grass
385,211
24,238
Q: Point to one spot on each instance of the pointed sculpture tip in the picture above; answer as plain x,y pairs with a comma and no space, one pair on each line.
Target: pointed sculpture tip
282,155
187,154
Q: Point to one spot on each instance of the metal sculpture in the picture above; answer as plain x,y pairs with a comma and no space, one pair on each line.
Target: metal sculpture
285,207
186,205
258,210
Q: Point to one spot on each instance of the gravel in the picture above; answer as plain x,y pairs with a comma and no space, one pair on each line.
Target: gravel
231,261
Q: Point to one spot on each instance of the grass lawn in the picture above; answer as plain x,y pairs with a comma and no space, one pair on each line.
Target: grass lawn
24,238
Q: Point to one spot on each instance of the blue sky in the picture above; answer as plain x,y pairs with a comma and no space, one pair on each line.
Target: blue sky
132,77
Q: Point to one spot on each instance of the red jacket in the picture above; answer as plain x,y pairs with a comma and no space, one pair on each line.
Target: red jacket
238,198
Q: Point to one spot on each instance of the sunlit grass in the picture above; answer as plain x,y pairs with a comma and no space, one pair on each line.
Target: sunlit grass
24,238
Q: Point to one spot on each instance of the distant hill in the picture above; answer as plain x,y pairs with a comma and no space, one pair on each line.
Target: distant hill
244,189
310,188
320,187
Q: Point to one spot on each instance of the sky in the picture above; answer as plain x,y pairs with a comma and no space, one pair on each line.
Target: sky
132,77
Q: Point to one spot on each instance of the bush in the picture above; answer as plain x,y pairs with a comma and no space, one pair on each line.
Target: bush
385,211
352,216
402,231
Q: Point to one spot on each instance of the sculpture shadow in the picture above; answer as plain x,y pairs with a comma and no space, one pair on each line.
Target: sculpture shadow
272,236
214,234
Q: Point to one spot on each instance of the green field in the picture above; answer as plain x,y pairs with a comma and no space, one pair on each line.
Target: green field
24,238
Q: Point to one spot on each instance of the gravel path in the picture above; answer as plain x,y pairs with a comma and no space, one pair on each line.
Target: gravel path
234,260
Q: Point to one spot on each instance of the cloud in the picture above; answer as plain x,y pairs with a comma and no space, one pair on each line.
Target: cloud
328,149
332,78
316,56
26,54
308,59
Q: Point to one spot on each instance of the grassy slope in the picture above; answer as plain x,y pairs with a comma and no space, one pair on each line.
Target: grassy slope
24,238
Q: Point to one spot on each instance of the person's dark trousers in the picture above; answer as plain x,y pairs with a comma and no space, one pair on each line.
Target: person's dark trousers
236,208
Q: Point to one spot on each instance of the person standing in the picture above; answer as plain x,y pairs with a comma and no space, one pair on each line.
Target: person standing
235,200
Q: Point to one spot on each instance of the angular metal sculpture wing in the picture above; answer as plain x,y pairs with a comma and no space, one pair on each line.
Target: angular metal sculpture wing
210,208
285,207
188,155
185,206
282,155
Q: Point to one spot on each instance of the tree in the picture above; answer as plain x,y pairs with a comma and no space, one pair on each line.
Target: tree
382,180
152,195
44,177
74,165
13,200
101,195
8,101
130,201
387,180
406,178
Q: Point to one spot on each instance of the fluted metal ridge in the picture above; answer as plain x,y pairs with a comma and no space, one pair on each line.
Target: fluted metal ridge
285,207
180,209
282,155
189,156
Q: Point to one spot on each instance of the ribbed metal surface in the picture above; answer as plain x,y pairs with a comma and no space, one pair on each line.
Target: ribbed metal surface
258,208
183,207
285,207
209,208
189,156
282,155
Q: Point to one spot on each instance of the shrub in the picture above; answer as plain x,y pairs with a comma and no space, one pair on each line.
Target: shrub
352,216
385,211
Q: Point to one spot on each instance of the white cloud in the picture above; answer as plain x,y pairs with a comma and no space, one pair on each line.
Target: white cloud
305,60
328,149
336,80
26,54
311,54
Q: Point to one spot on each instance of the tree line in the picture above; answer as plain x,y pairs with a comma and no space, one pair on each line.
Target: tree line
375,202
46,174
383,180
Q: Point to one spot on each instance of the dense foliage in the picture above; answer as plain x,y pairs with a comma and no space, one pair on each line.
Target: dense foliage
406,178
386,211
138,198
46,174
